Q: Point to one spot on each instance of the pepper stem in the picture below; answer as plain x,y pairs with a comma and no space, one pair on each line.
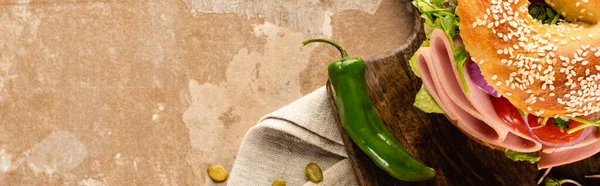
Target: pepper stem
342,51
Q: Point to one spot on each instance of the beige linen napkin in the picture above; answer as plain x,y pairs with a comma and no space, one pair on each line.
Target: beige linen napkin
283,142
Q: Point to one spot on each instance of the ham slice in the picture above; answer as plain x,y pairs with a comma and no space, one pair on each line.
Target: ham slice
474,113
568,156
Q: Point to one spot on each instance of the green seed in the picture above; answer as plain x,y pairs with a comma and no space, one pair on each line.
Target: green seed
217,173
314,173
278,182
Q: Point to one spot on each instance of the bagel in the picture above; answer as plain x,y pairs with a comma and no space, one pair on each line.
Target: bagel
546,70
584,11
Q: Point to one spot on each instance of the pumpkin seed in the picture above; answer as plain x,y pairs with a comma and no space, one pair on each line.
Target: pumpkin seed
314,173
217,173
278,182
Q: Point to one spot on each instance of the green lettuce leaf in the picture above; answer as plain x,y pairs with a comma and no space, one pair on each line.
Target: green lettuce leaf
522,156
413,60
426,103
413,65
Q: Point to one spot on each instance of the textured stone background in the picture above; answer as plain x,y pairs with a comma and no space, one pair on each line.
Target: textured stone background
123,92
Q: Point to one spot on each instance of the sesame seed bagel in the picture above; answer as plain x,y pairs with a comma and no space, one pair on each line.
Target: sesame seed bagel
546,70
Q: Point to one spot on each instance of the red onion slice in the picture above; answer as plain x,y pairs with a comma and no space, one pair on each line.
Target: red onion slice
475,74
586,132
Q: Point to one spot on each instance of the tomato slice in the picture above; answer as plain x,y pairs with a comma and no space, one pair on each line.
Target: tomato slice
549,132
509,113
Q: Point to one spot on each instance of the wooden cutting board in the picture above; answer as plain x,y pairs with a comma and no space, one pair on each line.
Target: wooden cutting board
433,139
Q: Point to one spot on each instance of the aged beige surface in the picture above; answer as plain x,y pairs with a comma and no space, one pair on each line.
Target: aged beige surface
122,92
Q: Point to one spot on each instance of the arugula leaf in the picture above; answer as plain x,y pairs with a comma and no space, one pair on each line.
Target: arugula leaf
450,24
426,103
460,56
560,123
586,123
522,156
434,10
543,12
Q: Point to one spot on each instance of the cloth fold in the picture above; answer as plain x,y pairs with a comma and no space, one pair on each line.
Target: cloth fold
285,141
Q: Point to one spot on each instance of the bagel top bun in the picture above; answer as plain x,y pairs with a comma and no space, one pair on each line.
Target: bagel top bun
546,70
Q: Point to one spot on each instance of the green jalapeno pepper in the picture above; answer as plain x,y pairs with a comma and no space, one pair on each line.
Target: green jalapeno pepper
361,122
